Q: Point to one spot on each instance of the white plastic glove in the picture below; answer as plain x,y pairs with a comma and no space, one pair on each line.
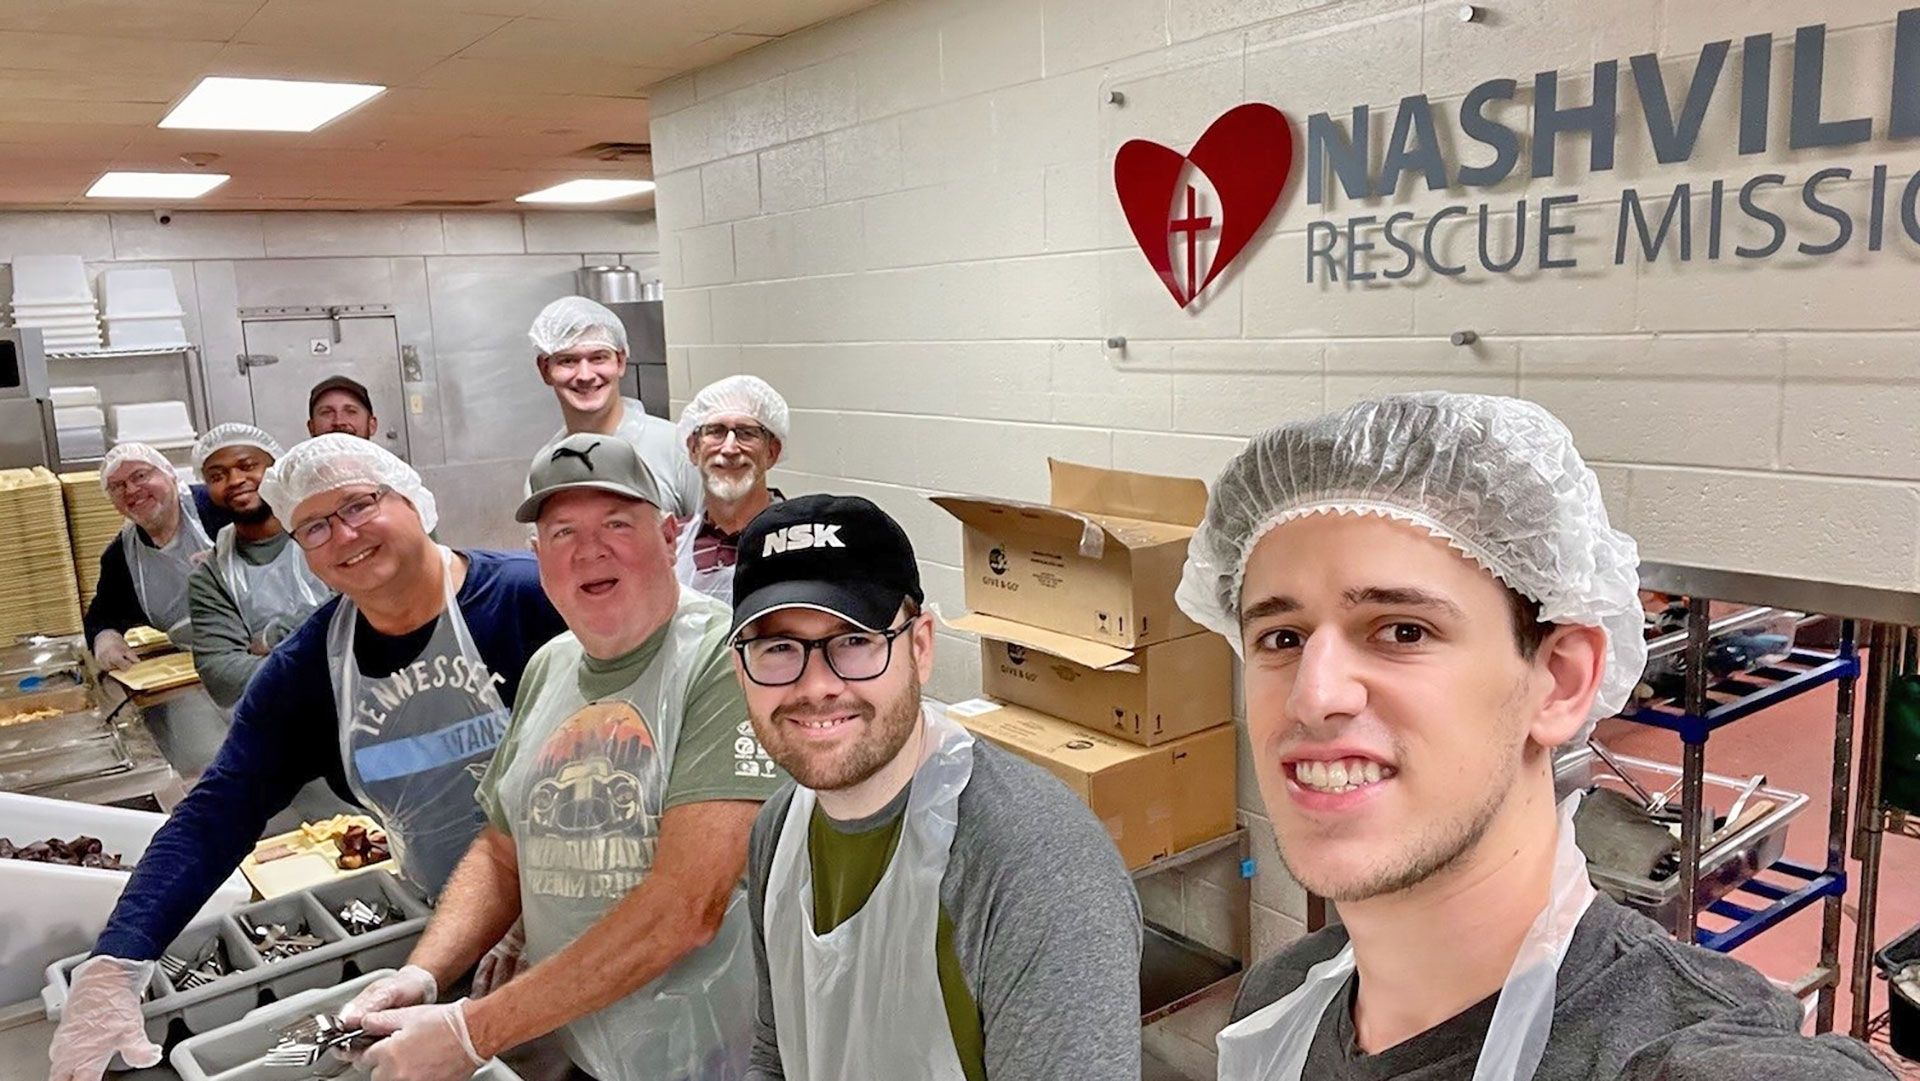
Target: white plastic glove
502,963
422,1043
411,986
110,648
102,1019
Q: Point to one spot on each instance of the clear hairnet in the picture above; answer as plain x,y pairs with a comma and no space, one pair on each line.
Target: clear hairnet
737,395
572,321
335,460
221,436
122,453
1496,478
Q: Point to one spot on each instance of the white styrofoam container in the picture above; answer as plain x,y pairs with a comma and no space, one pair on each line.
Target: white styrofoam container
50,279
140,292
79,416
80,444
151,420
54,911
68,397
145,333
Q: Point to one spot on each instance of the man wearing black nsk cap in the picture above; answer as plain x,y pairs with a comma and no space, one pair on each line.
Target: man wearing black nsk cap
924,905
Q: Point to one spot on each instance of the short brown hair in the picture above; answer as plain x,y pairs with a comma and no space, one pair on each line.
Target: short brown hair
1528,629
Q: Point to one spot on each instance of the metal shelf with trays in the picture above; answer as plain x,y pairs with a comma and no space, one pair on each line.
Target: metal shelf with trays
192,373
1754,903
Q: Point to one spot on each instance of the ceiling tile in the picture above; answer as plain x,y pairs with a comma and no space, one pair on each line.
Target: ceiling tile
171,20
344,26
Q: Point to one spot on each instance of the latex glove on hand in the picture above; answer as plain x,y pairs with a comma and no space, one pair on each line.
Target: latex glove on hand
411,986
102,1019
421,1043
502,963
110,648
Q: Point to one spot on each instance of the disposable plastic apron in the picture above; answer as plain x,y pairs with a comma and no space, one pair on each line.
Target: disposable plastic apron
863,1000
415,742
694,1022
160,573
716,583
1271,1044
275,598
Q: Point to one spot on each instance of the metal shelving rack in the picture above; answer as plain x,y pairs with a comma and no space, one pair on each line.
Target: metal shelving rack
1703,711
193,376
1896,651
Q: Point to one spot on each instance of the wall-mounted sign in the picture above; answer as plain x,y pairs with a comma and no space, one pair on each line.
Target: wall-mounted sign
1171,200
1244,156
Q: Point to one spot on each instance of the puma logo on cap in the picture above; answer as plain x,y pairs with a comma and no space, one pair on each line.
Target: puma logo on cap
794,538
585,456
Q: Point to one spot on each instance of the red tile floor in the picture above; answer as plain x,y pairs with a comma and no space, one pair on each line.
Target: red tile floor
1793,745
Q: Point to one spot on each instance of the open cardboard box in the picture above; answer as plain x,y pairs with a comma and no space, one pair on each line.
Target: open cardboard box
1100,561
1154,801
1148,695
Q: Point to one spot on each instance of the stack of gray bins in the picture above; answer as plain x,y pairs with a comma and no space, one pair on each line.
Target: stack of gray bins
173,1014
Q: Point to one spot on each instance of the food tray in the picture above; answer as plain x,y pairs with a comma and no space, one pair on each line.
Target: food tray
310,866
20,741
1723,867
160,673
51,767
232,1052
175,1014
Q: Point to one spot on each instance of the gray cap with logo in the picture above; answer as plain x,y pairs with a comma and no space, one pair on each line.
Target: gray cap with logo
587,460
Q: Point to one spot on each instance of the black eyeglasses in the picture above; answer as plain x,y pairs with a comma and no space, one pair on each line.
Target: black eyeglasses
778,660
749,435
354,512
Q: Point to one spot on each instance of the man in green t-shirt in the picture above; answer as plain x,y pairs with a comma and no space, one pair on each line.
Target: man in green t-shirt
926,906
619,804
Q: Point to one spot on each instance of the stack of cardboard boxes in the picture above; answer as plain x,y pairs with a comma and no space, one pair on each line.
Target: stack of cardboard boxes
1088,667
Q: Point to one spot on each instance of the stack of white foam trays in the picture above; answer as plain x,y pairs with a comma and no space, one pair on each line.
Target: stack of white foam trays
50,294
172,1013
143,309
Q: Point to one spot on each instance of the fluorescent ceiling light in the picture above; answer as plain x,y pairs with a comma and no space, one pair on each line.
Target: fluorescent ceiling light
155,185
587,191
224,104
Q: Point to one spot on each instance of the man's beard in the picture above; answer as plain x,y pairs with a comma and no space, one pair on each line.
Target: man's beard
260,513
731,489
890,726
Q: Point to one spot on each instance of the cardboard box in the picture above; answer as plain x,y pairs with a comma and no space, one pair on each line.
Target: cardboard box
1148,695
1155,801
1099,562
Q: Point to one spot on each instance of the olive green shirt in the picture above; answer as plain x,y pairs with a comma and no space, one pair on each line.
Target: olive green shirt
849,859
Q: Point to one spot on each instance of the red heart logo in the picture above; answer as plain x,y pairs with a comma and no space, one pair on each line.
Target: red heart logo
1246,154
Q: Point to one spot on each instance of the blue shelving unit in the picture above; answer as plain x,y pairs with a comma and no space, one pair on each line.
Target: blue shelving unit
1786,887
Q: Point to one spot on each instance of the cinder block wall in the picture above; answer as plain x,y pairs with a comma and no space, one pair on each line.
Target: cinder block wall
906,220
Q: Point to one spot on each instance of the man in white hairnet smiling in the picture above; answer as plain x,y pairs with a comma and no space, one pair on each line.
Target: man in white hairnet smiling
395,692
1429,599
581,348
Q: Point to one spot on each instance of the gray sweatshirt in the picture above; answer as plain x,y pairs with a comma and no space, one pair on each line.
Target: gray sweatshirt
1046,926
1632,1005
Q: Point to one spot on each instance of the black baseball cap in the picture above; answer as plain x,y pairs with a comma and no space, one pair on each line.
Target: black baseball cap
338,382
836,554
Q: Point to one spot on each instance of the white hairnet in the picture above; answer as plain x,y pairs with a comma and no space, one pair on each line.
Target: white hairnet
738,395
221,436
572,321
335,460
122,453
1496,478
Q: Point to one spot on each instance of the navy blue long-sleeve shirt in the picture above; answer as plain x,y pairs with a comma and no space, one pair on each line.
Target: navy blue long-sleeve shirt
286,732
116,605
